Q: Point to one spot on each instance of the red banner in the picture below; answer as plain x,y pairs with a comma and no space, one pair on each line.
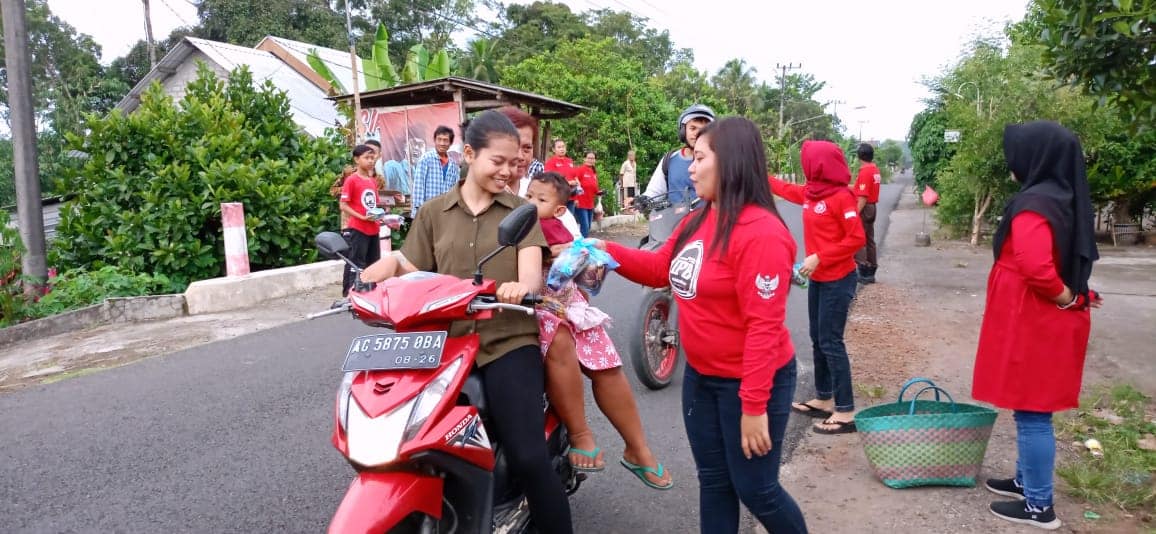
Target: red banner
405,135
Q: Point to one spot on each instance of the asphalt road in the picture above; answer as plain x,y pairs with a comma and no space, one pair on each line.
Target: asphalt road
234,437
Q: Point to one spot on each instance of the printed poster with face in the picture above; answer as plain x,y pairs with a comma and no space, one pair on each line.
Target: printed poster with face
405,135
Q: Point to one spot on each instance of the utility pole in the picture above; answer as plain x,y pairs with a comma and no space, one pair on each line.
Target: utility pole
27,170
356,86
149,35
783,90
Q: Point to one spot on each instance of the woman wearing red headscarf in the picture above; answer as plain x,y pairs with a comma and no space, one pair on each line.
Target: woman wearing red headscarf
832,233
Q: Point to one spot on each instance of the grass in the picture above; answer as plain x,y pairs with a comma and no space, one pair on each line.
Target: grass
1125,476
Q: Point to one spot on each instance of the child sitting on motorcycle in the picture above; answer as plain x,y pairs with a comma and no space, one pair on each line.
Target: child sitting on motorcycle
574,341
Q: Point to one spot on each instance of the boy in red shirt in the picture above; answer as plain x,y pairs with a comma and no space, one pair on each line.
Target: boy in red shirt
358,196
867,191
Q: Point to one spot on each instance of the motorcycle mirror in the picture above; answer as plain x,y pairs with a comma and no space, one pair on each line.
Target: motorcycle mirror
517,225
331,244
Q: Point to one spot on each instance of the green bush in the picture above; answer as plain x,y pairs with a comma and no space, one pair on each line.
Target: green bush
77,289
149,194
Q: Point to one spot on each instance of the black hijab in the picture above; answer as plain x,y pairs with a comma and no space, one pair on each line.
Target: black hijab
1048,161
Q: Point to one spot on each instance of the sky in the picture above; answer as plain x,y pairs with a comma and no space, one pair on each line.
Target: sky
871,53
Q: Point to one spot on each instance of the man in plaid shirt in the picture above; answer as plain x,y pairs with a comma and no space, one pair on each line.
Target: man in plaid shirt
435,173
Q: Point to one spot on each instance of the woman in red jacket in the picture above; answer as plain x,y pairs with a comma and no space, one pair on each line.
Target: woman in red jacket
729,266
1036,322
832,234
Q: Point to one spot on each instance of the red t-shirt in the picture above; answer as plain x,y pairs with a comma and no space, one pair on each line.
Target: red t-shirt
868,182
831,229
588,179
731,306
559,164
361,195
555,232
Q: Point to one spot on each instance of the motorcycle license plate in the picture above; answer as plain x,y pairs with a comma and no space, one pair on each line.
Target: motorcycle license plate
382,352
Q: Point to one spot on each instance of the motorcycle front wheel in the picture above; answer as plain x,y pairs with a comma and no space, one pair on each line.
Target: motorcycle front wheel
655,349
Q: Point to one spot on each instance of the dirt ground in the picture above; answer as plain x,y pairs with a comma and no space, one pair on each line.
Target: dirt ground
922,319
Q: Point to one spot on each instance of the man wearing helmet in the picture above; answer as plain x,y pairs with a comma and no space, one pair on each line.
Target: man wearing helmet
673,172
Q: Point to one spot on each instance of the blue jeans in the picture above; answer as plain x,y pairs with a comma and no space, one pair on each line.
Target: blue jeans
1036,459
827,305
712,411
584,217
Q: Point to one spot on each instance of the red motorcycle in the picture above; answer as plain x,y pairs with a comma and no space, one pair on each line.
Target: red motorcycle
411,417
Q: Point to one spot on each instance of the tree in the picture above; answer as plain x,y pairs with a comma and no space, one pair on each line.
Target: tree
67,77
246,22
538,28
889,153
148,196
478,62
134,66
929,152
624,112
1105,47
735,84
425,22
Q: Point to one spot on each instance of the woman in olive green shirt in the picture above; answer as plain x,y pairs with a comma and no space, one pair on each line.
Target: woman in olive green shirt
451,233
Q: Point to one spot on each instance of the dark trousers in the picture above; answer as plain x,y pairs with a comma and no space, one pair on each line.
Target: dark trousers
364,250
515,384
866,257
712,411
828,304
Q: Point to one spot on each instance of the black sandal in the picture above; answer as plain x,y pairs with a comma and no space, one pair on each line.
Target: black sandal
811,411
841,427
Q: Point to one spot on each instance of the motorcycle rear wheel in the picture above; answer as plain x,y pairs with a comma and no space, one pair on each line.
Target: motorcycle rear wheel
655,350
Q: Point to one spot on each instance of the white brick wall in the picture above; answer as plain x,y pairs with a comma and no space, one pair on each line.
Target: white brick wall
175,85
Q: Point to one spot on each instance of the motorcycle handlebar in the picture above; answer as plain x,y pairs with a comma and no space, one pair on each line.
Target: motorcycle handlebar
490,302
334,311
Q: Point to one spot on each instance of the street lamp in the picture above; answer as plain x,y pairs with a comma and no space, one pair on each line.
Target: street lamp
861,123
958,90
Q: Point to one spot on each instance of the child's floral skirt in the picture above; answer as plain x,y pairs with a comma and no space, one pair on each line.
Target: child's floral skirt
587,324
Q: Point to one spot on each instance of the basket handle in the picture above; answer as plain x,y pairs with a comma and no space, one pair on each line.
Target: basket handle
912,382
937,391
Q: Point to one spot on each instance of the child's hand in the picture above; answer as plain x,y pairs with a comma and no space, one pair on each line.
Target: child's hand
555,250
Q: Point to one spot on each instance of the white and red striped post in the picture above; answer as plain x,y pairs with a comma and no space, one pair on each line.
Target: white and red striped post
236,243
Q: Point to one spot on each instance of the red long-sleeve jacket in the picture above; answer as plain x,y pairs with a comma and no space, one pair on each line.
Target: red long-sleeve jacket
831,229
1031,353
732,306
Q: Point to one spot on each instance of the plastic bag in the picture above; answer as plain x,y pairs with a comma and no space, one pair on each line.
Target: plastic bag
582,263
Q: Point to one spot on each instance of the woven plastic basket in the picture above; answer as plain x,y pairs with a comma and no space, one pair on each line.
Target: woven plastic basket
923,442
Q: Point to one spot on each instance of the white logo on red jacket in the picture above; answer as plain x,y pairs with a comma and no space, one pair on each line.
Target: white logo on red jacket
684,270
766,285
821,207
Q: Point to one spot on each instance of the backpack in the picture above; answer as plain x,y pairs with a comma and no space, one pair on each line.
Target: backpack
666,164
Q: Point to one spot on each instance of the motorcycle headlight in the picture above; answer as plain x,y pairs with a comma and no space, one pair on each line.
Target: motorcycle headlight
376,441
343,397
429,399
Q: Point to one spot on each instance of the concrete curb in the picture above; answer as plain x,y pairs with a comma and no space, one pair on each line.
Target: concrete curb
615,220
111,311
231,293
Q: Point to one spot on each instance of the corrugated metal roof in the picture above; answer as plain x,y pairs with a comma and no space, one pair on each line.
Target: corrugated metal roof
337,60
311,110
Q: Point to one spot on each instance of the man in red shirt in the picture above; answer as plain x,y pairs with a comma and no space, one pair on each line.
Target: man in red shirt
867,191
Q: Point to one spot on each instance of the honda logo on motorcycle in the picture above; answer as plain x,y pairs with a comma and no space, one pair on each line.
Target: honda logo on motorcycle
470,432
684,270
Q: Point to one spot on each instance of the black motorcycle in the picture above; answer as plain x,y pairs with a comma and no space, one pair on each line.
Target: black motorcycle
655,351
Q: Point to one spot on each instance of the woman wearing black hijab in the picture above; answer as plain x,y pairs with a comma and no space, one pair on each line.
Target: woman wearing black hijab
1036,323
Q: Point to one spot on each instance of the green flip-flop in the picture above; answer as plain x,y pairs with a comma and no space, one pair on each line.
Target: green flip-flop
640,471
593,455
